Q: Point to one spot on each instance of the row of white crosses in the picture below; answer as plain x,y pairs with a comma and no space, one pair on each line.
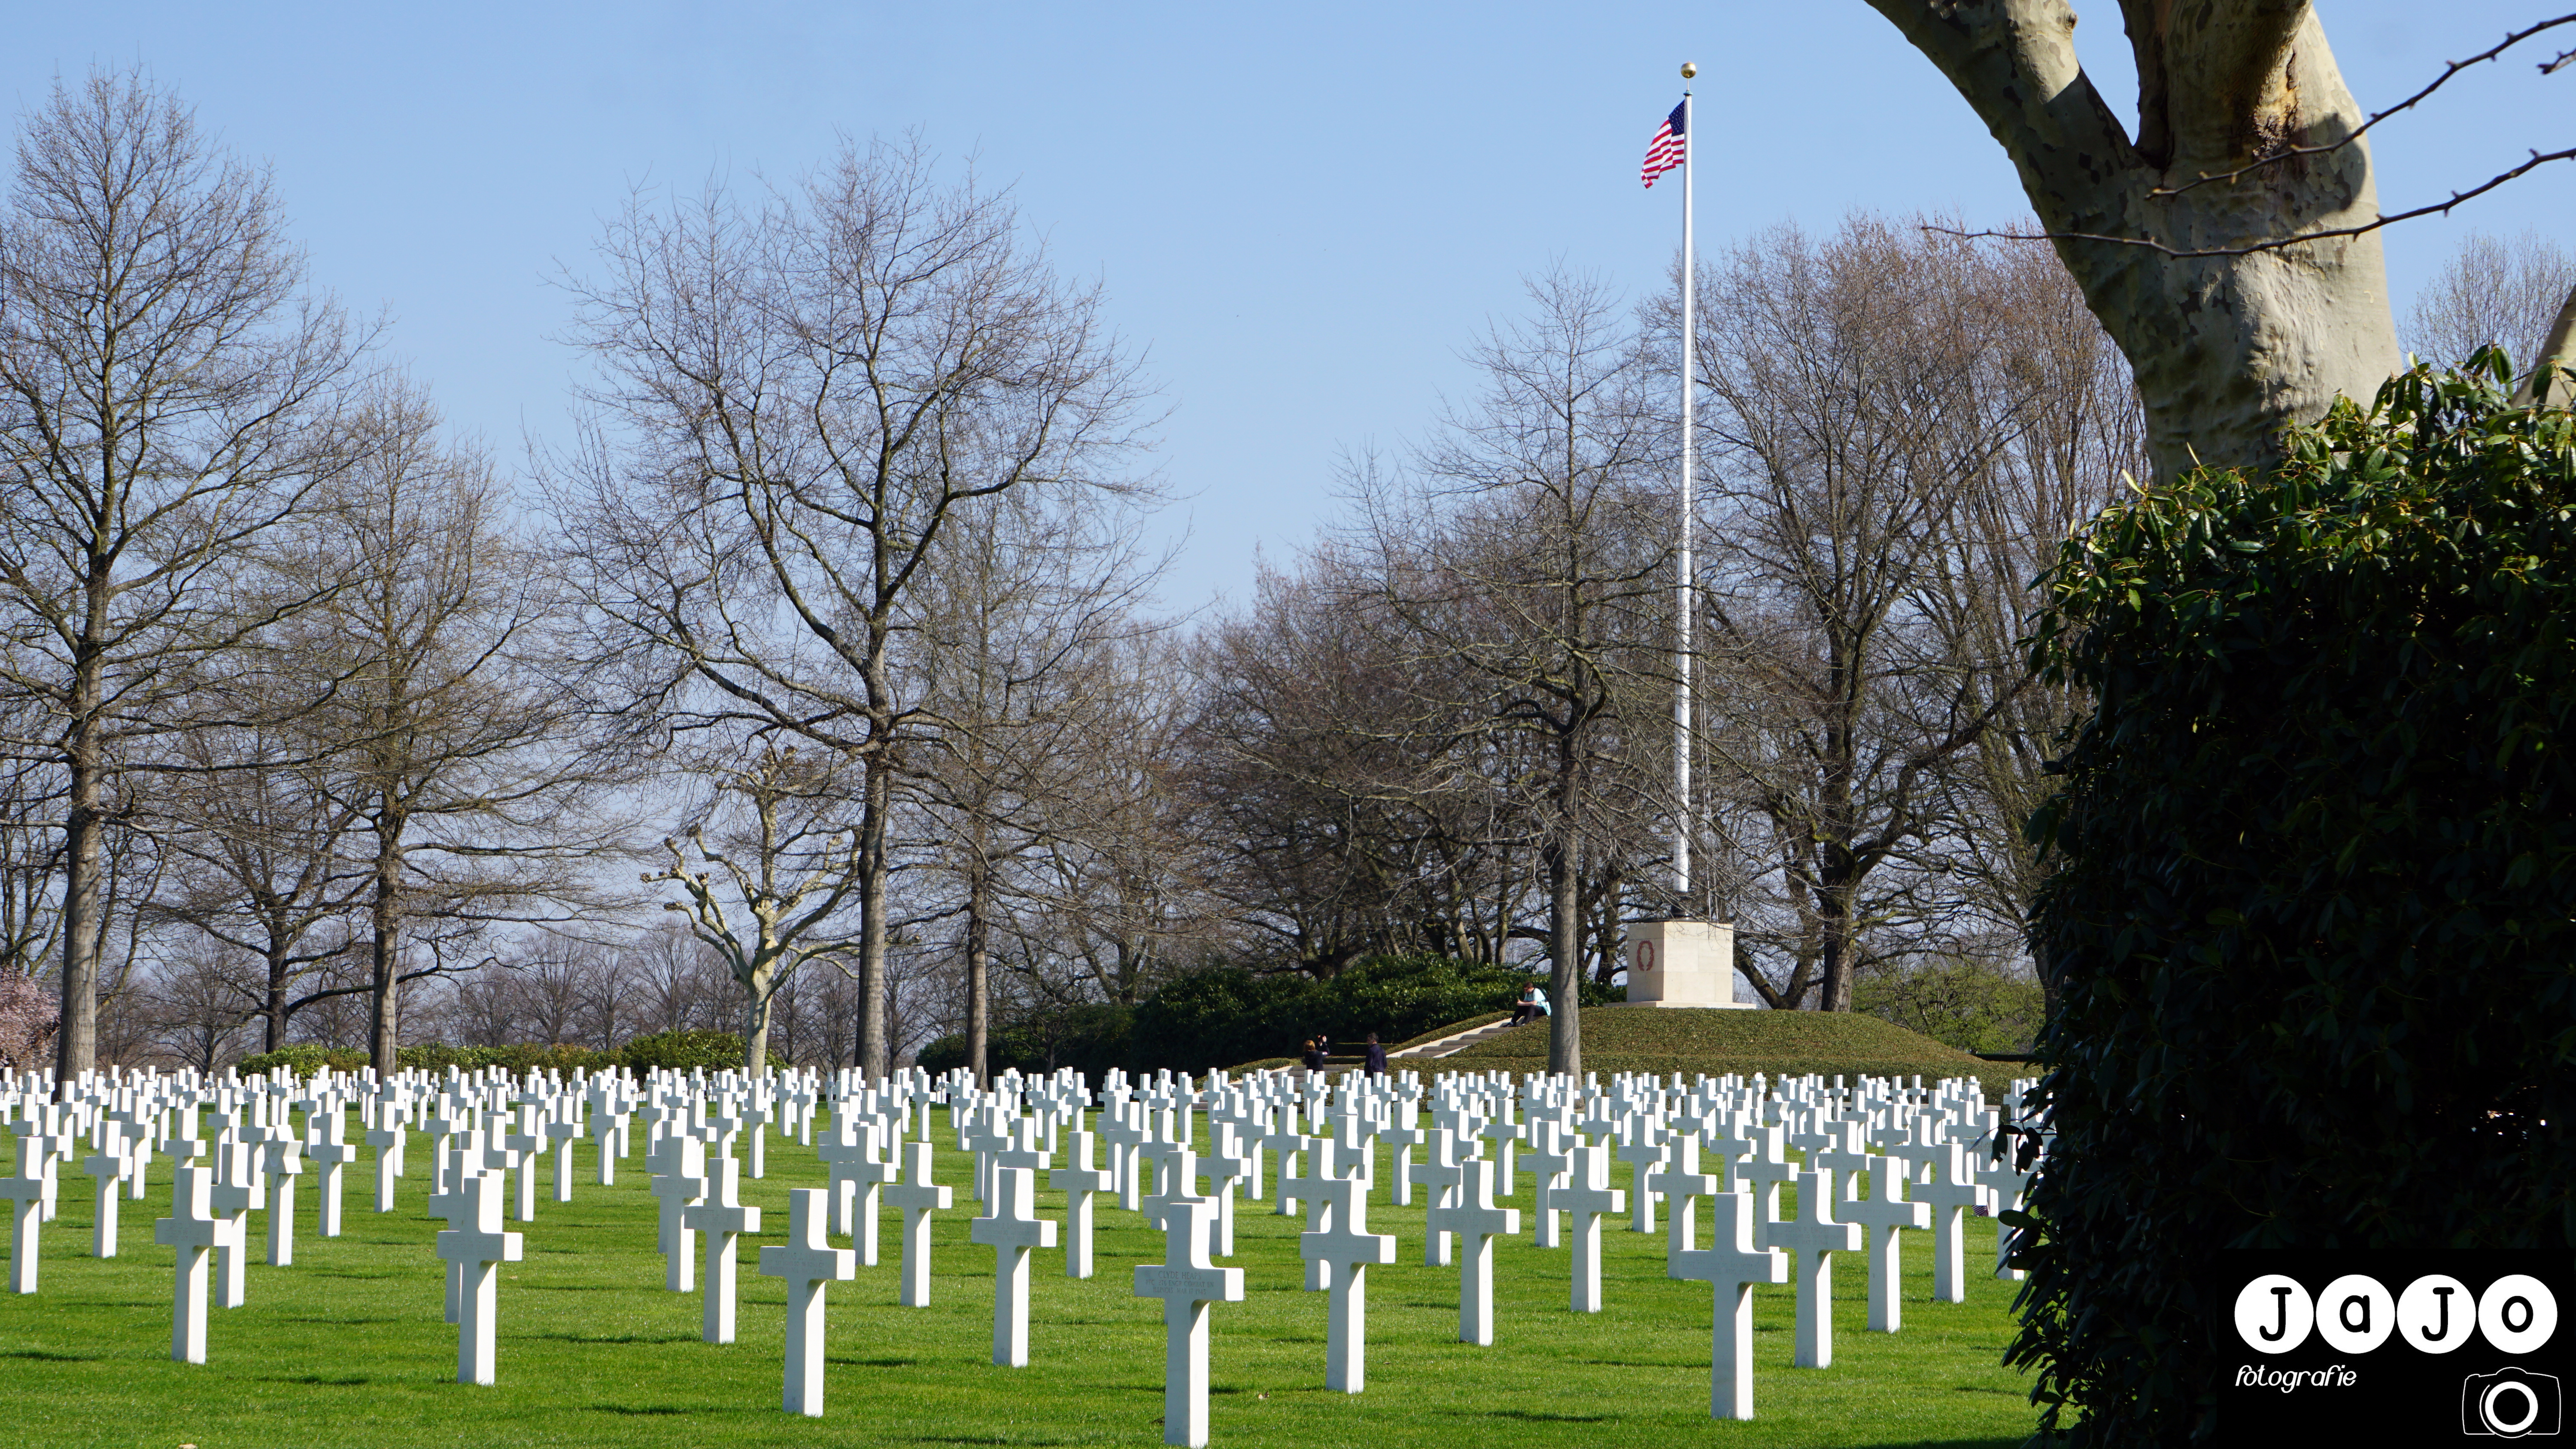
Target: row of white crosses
1723,1140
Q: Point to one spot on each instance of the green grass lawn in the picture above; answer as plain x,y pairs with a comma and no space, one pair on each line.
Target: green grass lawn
349,1346
1777,1043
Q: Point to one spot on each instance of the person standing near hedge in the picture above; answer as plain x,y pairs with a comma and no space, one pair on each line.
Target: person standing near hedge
1376,1064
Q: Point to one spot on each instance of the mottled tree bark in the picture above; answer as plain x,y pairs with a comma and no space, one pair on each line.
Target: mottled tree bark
2226,349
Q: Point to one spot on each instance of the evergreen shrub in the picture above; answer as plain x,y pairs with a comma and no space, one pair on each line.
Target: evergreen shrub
2313,927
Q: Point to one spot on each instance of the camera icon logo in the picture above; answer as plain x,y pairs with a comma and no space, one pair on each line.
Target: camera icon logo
2509,1404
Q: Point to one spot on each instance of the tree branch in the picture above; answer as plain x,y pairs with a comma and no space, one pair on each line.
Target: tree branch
2451,69
2538,159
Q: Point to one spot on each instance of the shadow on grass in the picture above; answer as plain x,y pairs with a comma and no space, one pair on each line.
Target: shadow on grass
1535,1416
874,1362
47,1355
337,1381
614,1337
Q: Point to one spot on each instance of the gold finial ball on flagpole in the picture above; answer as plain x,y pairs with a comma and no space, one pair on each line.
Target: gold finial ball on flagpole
1689,69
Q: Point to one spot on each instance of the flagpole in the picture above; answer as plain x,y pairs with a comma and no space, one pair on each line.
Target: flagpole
1682,589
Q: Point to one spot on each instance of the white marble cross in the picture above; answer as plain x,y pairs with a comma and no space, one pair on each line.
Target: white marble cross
1187,1283
2006,1183
465,1160
1313,1189
1011,1229
1815,1237
562,1132
1846,1151
679,1168
1080,1182
723,1218
282,1155
1550,1158
1122,1133
1587,1199
1347,1244
194,1229
526,1137
1477,1222
1731,1265
387,1139
807,1263
1441,1173
1886,1214
326,1134
108,1170
475,1244
860,1166
236,1193
1952,1195
1285,1139
1758,1160
25,1191
609,1121
918,1197
1681,1184
1227,1168
1642,1148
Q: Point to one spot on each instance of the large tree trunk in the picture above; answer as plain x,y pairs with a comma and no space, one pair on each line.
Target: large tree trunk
978,980
1565,964
384,920
272,1010
2226,349
875,1001
762,989
76,1042
1563,856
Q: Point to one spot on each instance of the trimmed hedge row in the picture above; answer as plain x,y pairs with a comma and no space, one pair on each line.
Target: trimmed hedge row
681,1050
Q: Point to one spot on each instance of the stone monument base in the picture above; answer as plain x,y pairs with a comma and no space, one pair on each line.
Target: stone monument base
1683,963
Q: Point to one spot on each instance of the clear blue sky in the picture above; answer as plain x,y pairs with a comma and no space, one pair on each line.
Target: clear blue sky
1301,214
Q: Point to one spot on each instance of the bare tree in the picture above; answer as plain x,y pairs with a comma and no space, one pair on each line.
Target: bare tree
2072,437
2493,291
462,763
791,865
1859,396
1528,561
257,832
1013,622
798,397
1334,838
164,402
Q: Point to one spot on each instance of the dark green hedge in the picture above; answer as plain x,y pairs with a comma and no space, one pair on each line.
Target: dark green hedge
2314,926
1227,1016
1089,1039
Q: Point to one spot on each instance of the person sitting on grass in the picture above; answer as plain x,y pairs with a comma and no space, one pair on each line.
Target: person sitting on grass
1532,1005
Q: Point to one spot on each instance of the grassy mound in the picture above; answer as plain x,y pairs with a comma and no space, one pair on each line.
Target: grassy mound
1777,1043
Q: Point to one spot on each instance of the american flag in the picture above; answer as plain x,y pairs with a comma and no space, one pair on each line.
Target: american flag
1666,151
